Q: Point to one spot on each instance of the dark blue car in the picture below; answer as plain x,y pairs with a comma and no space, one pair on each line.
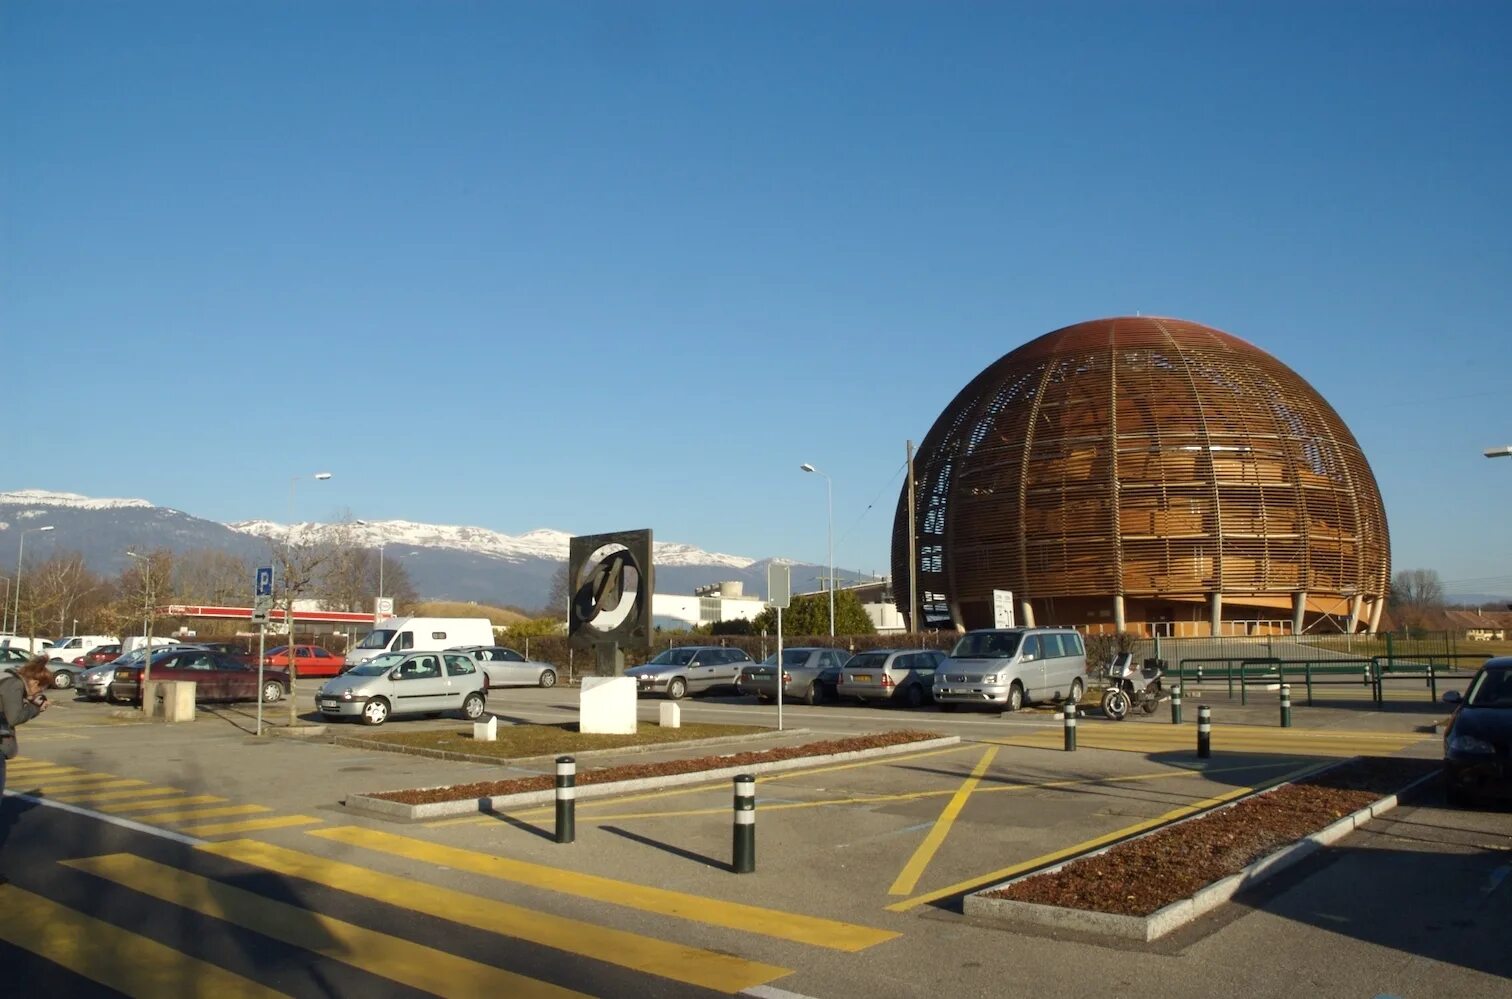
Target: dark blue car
1478,742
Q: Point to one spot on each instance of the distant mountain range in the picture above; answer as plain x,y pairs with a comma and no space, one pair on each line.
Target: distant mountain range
443,562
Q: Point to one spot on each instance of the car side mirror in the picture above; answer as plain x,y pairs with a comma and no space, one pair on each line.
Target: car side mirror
394,675
1452,697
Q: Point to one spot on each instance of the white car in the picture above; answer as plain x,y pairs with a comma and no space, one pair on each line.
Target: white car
405,683
507,668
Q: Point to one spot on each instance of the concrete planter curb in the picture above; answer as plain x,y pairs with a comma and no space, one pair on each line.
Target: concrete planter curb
1183,911
471,806
357,742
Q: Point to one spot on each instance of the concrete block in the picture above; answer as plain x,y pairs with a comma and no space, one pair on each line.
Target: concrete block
606,705
486,731
170,700
671,715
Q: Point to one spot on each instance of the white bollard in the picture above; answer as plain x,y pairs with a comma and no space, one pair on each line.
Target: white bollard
486,731
671,715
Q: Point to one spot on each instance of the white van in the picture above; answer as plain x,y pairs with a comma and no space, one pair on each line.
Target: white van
72,647
29,645
133,642
421,634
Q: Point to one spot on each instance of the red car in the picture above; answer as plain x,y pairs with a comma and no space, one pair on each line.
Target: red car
99,654
216,676
309,660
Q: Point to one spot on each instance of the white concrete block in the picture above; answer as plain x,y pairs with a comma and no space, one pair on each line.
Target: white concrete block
486,731
606,705
671,714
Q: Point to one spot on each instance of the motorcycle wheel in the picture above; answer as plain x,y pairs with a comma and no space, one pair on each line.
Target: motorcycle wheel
1115,704
1151,699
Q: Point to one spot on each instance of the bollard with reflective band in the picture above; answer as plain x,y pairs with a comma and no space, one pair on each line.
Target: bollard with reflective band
1204,732
1286,705
744,861
1070,713
566,799
1176,705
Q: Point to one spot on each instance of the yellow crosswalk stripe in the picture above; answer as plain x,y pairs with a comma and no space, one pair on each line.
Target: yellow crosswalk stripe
138,806
34,770
180,814
95,783
380,954
119,959
812,930
94,796
1226,738
251,825
680,962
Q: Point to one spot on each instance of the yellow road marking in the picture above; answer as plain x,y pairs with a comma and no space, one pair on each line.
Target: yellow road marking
139,806
715,912
39,769
1005,873
92,796
180,815
584,805
1226,738
116,958
909,876
101,783
380,954
668,959
251,825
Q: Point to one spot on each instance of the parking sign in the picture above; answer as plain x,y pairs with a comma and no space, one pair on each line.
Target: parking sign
264,585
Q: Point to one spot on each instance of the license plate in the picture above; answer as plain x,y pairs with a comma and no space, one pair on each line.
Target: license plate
329,704
861,677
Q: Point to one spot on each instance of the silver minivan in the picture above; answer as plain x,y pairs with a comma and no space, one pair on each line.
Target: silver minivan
405,683
1011,667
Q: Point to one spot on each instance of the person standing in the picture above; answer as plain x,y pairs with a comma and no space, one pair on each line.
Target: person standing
21,700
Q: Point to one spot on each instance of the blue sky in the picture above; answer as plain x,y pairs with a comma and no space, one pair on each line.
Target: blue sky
598,266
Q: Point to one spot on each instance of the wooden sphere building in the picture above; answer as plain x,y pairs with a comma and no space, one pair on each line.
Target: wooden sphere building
1147,475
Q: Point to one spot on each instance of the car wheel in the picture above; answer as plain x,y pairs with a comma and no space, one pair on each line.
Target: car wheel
375,711
811,693
548,678
63,679
913,696
1077,690
272,692
472,706
1015,696
677,688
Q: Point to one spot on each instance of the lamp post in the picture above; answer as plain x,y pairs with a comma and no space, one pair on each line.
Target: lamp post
20,550
829,493
289,597
147,624
5,607
381,543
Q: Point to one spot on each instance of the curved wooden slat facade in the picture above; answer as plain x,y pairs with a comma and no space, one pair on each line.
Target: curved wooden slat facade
1147,463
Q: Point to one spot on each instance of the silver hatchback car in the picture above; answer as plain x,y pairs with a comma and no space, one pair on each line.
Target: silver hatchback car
405,683
902,676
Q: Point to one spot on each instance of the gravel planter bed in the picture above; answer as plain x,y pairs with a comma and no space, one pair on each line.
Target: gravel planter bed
637,771
1146,887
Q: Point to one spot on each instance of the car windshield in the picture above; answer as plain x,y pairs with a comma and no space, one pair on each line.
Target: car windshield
987,645
790,657
672,657
376,666
378,638
1492,689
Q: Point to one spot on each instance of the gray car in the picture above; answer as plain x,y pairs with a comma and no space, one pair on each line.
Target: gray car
800,669
507,668
690,669
902,676
405,683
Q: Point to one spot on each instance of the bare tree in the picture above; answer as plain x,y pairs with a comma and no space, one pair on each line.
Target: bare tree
57,587
298,562
559,594
1416,595
213,577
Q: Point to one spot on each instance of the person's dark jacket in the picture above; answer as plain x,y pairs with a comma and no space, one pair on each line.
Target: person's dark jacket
15,708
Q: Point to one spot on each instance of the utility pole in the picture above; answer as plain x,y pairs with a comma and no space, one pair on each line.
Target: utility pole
913,553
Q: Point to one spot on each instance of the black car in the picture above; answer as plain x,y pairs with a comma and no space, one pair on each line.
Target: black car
1478,742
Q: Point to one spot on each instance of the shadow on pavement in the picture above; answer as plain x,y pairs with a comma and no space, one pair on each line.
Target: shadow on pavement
668,848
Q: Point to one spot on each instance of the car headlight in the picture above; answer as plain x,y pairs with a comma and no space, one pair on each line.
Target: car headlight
1469,744
346,695
990,679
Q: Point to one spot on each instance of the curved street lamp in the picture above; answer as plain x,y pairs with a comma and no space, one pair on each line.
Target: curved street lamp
829,492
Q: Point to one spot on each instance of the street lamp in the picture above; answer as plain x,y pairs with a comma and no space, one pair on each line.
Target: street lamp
381,543
1504,451
147,624
289,598
20,549
829,492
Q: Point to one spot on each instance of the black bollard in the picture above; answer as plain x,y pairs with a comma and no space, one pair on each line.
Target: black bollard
1176,705
1204,732
1286,705
1070,714
745,824
566,799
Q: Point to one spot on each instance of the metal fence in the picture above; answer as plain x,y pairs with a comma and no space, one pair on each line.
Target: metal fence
1314,648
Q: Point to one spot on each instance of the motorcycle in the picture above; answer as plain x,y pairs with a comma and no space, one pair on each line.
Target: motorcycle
1127,686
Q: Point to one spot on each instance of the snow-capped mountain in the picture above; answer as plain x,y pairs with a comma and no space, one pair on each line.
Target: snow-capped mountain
443,562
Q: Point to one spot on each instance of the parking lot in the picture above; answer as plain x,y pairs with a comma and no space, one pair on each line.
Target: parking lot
860,851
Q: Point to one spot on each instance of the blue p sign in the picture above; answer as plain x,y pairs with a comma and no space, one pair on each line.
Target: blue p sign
265,581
